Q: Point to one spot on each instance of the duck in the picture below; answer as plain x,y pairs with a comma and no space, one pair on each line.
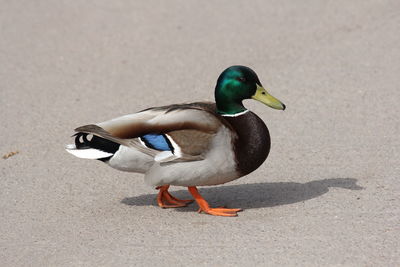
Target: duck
190,144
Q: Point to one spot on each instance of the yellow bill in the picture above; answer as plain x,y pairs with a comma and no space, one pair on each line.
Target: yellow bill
264,97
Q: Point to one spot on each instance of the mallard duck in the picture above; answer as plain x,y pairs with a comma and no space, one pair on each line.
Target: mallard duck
195,144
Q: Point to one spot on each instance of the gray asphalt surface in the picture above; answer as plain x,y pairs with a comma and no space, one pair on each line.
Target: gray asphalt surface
328,195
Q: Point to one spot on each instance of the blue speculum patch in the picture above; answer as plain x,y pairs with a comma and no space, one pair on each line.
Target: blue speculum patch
157,141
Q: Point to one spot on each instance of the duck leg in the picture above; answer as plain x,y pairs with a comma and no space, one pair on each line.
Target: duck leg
166,200
206,208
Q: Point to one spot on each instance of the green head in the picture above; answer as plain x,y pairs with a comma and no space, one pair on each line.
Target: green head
237,83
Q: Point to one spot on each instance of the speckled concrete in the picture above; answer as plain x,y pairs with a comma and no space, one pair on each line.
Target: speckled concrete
328,195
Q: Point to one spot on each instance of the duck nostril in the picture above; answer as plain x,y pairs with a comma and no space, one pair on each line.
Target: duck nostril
263,93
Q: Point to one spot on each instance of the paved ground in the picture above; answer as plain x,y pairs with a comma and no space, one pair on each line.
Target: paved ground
327,195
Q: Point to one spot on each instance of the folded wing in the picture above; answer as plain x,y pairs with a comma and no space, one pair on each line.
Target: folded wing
172,133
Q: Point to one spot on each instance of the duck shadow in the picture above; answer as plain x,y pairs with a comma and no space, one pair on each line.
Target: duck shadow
257,195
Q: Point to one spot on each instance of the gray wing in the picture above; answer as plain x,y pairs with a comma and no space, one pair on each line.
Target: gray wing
189,129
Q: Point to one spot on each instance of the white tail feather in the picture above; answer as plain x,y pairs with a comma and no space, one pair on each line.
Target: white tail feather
87,153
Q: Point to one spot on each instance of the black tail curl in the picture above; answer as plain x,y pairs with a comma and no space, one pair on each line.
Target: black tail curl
82,142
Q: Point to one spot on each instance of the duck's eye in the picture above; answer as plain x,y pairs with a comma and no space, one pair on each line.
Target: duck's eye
241,79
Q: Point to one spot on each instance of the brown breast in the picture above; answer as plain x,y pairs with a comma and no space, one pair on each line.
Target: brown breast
253,143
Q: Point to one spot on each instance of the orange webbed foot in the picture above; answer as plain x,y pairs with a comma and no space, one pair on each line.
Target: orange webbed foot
204,207
220,211
166,200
